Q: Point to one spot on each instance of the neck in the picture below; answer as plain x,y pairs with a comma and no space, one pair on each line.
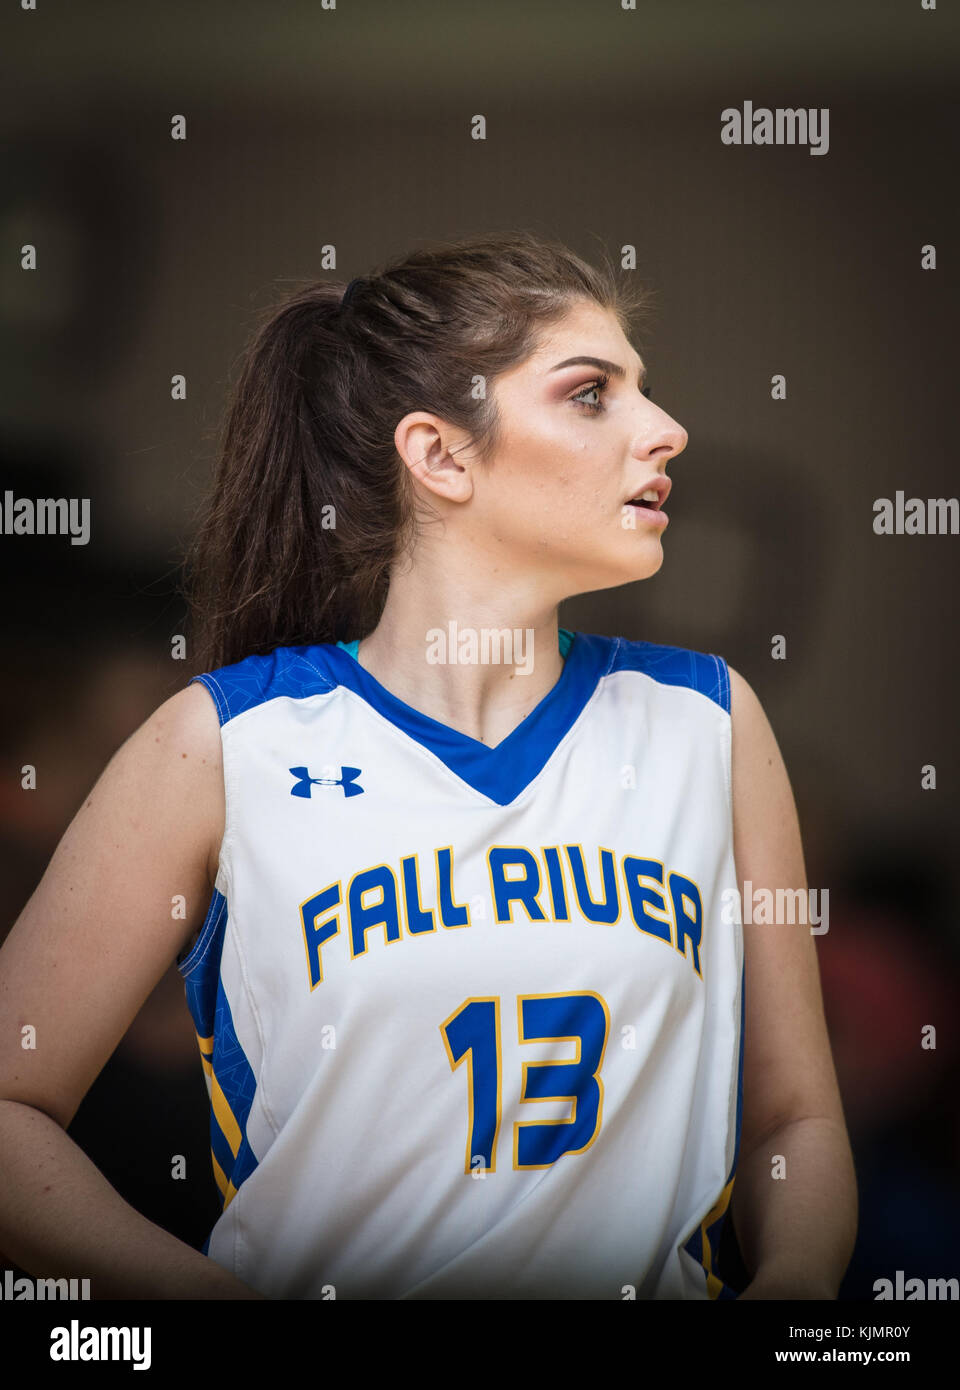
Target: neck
468,654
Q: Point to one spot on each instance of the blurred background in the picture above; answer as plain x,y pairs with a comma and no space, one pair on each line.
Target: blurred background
310,127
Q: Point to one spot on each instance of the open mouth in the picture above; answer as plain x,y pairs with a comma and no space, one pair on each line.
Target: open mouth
650,500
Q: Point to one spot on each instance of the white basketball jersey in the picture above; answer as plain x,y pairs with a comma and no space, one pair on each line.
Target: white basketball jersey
471,1018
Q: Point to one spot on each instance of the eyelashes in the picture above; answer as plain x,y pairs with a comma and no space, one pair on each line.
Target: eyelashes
599,385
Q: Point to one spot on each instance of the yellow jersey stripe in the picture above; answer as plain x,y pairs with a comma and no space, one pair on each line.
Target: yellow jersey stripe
220,1176
714,1285
225,1117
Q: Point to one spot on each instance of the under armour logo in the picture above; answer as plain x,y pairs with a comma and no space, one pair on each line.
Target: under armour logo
305,782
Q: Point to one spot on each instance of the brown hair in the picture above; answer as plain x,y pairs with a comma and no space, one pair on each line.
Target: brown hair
308,436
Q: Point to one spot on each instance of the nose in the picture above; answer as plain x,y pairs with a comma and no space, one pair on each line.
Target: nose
659,436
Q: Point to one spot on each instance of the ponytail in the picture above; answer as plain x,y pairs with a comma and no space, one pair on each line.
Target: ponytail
270,564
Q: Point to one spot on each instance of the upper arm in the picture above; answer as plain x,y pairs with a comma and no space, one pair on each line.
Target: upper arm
125,890
788,1070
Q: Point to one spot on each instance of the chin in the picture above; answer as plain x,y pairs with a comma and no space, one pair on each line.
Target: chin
644,560
642,564
643,571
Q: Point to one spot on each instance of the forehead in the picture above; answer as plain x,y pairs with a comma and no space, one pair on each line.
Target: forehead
585,330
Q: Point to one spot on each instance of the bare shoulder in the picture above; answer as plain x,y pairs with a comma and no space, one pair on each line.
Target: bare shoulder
186,723
177,754
763,804
748,717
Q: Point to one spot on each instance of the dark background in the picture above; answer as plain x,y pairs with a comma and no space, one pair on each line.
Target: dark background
350,128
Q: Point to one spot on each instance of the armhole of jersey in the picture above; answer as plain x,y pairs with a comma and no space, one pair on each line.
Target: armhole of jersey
187,961
217,905
723,682
727,1291
726,735
211,684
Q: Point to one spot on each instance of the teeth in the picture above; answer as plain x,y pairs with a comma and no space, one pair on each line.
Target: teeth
651,495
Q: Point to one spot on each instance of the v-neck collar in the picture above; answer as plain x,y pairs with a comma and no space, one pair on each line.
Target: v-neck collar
503,772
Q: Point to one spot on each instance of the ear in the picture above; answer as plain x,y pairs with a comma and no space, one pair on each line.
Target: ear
436,455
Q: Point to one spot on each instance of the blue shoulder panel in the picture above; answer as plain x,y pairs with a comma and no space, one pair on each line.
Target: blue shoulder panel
284,671
677,666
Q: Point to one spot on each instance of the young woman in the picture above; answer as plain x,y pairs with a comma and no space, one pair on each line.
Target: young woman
474,1011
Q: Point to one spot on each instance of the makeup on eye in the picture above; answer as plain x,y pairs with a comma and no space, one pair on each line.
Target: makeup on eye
599,385
609,369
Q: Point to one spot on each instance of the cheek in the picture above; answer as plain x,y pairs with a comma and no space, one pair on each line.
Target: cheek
545,438
580,479
548,474
560,462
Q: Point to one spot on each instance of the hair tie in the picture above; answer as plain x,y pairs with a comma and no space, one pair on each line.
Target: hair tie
349,291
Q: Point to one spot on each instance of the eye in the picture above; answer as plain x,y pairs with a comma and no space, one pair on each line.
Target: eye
598,387
594,387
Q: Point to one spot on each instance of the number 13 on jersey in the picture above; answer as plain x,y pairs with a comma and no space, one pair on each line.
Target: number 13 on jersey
472,1034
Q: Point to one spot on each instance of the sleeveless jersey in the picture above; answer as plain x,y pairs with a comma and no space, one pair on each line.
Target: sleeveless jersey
471,1018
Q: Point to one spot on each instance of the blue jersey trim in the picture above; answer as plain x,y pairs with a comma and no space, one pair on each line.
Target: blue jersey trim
504,771
233,1083
284,671
678,666
695,1245
212,927
727,1291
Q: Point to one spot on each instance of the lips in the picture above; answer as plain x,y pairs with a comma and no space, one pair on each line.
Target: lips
652,494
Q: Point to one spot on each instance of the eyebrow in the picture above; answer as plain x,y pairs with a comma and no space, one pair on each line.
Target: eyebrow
613,368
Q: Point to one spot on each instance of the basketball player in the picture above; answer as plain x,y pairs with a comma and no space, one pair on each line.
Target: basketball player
476,1015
